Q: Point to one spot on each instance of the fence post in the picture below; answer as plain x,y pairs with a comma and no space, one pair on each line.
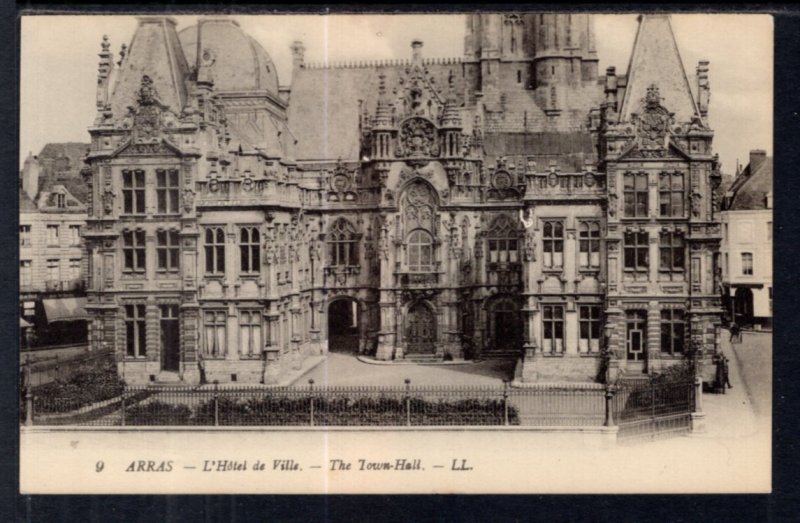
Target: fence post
609,395
26,377
408,402
216,403
123,408
698,394
505,402
311,393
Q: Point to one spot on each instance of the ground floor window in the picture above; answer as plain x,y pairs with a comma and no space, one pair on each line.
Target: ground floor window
553,319
636,335
135,331
215,333
590,328
672,331
250,333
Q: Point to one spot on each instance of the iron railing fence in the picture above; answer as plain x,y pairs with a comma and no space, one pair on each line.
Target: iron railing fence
312,405
653,409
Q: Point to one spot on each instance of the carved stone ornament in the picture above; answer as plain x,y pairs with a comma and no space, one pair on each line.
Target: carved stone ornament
108,201
417,138
147,116
612,204
654,122
589,179
188,200
697,199
501,180
552,179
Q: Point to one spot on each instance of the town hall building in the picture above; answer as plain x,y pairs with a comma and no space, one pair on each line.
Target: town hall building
509,203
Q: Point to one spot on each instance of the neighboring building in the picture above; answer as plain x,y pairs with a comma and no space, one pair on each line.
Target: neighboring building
510,203
747,244
51,253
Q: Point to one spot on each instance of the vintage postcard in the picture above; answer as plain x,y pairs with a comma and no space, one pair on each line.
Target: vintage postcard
441,253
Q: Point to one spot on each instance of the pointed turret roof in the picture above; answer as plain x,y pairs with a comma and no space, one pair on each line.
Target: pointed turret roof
156,52
655,60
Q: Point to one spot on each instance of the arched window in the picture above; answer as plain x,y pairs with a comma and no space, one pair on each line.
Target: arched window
249,250
503,241
419,247
342,244
215,250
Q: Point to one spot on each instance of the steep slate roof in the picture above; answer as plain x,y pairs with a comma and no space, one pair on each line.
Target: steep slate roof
61,164
324,108
239,62
156,52
751,187
569,149
655,60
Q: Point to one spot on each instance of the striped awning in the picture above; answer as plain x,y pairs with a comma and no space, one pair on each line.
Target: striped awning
65,309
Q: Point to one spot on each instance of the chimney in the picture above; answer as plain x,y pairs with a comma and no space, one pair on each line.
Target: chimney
298,54
30,176
416,50
757,157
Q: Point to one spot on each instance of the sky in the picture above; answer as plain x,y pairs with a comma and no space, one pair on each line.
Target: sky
59,63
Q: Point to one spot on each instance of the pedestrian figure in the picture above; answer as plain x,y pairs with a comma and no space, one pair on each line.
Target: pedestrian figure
735,333
201,364
726,372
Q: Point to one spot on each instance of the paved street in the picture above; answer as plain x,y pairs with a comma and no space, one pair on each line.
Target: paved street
346,370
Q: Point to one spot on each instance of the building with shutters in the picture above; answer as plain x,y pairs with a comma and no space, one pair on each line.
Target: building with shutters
52,263
509,203
747,244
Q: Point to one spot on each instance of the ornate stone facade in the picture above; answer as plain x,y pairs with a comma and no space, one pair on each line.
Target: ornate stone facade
446,209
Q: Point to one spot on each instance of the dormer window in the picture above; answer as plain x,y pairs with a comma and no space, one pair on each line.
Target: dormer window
61,200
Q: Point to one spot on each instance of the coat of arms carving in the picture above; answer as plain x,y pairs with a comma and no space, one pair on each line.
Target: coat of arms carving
418,138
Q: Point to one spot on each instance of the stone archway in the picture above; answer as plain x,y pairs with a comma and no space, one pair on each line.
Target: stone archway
505,325
343,326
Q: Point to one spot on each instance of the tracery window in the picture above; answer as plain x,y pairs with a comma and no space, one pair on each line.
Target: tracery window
250,250
503,241
342,244
215,250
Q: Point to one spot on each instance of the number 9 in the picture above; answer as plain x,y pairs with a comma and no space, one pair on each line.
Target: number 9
99,466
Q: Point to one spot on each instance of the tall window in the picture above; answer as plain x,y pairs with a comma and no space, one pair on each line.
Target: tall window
589,245
75,269
53,272
214,333
215,250
52,235
671,251
168,250
61,200
24,235
672,331
250,250
133,191
747,263
553,322
342,244
637,255
25,273
135,331
420,251
167,191
74,235
590,327
250,336
553,243
503,241
635,194
133,249
670,194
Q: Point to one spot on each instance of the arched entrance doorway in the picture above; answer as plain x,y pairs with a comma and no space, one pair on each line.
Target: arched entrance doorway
743,306
343,326
420,330
505,324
